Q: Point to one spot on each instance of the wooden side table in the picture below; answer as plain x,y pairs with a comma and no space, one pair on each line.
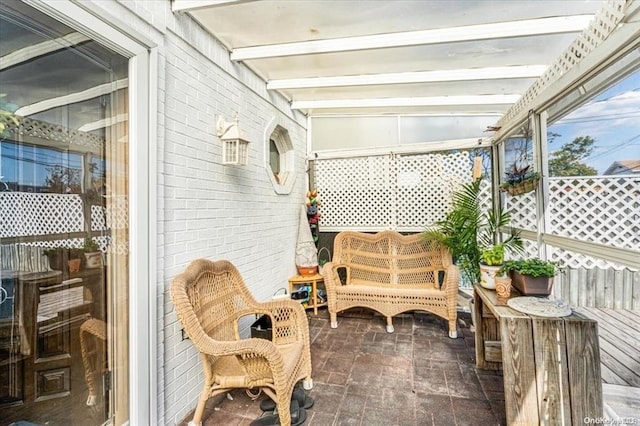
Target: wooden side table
312,280
551,366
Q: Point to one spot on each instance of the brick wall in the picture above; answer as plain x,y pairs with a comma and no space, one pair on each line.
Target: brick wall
206,209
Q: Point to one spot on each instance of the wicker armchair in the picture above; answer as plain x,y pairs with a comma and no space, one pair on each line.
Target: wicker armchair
210,298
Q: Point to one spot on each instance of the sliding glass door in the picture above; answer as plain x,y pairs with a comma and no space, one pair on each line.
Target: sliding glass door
64,215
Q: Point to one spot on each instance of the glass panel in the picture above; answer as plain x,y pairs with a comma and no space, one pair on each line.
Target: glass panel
594,168
64,236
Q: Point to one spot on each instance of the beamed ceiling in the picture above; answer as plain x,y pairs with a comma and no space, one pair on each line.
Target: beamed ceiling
440,57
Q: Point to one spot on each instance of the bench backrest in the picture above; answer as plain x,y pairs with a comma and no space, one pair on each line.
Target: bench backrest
389,258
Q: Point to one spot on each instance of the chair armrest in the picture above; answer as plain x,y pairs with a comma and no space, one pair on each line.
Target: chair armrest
451,281
289,321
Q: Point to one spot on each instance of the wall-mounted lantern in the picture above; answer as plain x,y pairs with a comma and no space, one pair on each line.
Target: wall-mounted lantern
235,147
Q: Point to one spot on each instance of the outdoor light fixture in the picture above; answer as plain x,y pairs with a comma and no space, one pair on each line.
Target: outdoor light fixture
235,147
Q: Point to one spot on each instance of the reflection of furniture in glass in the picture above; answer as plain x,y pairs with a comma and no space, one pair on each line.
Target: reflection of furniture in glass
210,299
551,366
311,280
39,335
93,335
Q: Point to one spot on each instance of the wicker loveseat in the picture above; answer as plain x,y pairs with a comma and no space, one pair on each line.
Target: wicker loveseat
391,273
210,299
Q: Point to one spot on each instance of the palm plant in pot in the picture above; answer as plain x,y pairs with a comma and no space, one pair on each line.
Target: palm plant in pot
467,231
533,276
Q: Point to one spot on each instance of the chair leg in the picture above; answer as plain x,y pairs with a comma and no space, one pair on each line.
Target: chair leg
283,406
390,328
307,383
197,415
334,319
453,331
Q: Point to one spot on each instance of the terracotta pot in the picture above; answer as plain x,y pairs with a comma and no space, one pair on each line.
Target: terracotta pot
74,265
531,286
503,286
307,270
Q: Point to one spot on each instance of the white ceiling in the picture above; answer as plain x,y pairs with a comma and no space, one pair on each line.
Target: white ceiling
395,57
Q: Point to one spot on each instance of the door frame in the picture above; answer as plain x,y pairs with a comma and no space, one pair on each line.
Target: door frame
143,92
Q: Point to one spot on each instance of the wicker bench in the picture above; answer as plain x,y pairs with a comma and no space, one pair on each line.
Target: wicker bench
391,273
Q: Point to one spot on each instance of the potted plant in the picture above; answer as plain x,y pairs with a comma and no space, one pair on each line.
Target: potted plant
492,258
63,257
467,231
520,180
92,253
533,276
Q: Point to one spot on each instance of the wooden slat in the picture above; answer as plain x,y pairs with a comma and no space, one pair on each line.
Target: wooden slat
583,356
493,351
619,344
551,364
521,402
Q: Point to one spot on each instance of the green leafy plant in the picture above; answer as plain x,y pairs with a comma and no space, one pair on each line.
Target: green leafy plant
90,246
467,230
534,267
493,255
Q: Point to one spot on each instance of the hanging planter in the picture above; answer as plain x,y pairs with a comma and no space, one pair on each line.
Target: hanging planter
520,181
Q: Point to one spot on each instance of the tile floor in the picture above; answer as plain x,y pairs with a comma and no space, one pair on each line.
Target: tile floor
364,376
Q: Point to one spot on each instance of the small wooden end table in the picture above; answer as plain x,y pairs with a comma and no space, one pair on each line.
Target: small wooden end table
312,280
551,365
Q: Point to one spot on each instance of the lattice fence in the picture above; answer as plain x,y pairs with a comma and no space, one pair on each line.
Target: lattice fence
32,214
409,193
603,209
604,23
406,193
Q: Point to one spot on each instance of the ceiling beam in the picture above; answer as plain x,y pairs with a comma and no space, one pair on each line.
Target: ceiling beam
406,102
105,122
491,73
72,98
33,51
529,27
187,5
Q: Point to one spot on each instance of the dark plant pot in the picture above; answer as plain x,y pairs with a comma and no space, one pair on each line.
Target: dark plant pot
531,286
58,259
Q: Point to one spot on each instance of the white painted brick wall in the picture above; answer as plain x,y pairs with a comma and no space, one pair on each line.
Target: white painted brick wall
206,209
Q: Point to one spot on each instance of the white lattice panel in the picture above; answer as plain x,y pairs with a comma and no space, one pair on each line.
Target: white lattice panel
356,193
52,132
603,210
604,23
23,213
406,193
523,210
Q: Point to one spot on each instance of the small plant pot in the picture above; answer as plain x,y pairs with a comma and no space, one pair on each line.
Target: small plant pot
488,275
531,286
74,265
503,287
93,260
307,270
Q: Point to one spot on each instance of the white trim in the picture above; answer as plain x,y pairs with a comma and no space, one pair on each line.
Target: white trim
418,148
92,92
187,5
554,25
407,102
490,73
617,255
105,122
35,50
